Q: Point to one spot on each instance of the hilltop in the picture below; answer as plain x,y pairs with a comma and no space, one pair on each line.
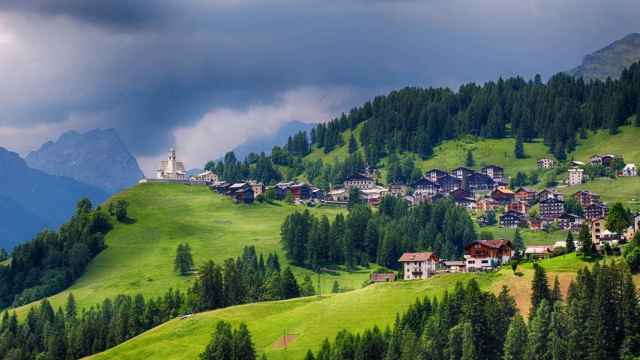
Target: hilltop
98,157
139,255
609,61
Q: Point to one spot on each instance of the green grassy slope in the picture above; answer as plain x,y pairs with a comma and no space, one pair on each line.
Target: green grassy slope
311,319
315,318
139,257
624,143
623,189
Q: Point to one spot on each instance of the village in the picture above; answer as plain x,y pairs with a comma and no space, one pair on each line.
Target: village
485,193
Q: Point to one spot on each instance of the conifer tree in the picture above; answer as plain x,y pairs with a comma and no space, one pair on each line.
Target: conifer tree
353,145
556,294
519,148
538,339
515,343
242,345
539,288
468,343
289,285
586,244
558,333
571,246
518,242
469,161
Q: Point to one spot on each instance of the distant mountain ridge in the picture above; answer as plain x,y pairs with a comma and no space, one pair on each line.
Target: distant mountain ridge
610,60
31,199
264,143
98,158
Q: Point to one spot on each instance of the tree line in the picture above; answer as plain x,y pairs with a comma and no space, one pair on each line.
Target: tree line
68,333
597,320
363,236
54,259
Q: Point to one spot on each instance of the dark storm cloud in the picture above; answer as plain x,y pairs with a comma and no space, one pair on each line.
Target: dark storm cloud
147,67
116,14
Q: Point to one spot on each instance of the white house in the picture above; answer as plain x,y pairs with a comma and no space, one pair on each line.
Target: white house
487,254
208,176
575,176
545,163
171,169
420,265
630,170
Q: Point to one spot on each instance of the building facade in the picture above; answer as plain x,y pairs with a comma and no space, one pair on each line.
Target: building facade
575,176
171,169
420,265
487,254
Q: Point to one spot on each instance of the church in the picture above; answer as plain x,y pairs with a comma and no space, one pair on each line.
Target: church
172,169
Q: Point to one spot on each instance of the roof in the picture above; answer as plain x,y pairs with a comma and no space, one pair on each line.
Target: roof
358,177
492,167
551,200
454,263
538,249
424,182
462,168
511,213
438,172
448,178
420,256
504,190
495,244
525,189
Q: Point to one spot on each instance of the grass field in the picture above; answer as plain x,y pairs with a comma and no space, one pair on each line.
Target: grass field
530,237
624,143
139,257
309,319
623,189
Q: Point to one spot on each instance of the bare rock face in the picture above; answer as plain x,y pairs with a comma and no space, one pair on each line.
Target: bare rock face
609,61
97,158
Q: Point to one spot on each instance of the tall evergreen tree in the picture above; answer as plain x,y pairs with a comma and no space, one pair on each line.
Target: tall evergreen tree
515,343
519,148
353,145
539,288
469,161
571,246
586,244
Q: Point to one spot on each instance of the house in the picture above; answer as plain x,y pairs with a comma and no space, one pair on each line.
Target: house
629,170
487,254
374,196
339,195
586,198
461,172
463,198
419,265
537,224
575,176
425,186
519,207
511,219
596,210
538,252
551,208
382,277
561,244
359,181
317,193
487,204
598,226
493,171
455,266
569,221
171,169
448,183
257,187
549,194
603,160
220,186
241,192
282,189
300,191
435,174
502,195
477,182
545,163
207,176
398,189
577,163
526,195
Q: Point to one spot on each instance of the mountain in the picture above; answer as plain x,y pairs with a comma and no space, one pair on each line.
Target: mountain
30,199
610,60
260,143
97,158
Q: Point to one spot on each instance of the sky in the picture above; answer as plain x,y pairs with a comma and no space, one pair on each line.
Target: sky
203,76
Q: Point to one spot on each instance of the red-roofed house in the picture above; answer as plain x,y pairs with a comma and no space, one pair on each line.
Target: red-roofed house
487,254
418,265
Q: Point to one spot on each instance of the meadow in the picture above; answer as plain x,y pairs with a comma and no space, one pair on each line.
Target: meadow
308,321
139,257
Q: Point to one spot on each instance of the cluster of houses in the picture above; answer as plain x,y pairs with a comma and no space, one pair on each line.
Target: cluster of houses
480,255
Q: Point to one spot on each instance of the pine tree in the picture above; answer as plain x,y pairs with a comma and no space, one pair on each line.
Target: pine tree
519,148
242,345
221,346
335,288
353,145
571,246
515,343
586,244
183,261
468,343
289,285
556,294
469,161
518,242
558,333
307,288
539,288
538,340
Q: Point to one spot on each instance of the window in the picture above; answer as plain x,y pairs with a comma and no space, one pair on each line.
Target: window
485,261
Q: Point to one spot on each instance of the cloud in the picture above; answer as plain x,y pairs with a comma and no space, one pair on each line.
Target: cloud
223,128
153,68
